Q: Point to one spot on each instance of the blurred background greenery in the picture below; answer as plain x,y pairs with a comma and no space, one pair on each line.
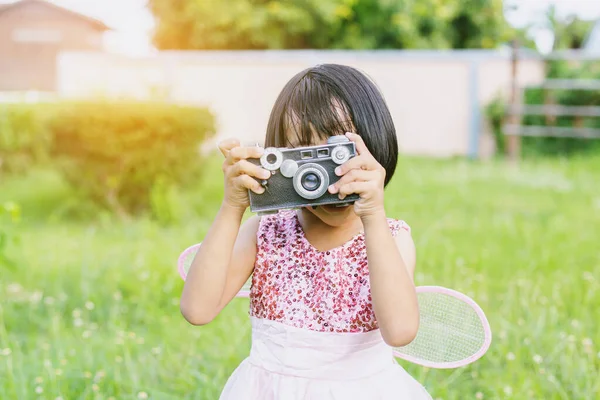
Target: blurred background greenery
98,198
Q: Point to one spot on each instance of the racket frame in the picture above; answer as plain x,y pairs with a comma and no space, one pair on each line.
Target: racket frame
459,363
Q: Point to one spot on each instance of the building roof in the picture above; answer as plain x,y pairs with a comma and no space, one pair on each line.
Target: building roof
93,22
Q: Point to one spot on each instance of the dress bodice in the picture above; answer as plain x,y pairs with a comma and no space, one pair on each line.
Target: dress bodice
295,283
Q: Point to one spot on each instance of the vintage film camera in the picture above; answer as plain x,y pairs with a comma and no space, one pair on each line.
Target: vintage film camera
300,176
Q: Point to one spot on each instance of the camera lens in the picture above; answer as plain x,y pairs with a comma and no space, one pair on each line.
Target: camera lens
310,181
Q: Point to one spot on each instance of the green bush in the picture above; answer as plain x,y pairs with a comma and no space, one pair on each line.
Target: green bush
122,154
24,138
548,146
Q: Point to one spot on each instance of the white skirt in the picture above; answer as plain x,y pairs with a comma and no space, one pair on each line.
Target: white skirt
288,363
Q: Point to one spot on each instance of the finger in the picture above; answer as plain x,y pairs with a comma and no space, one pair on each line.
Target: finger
353,175
226,145
355,187
250,183
364,162
361,147
244,167
242,153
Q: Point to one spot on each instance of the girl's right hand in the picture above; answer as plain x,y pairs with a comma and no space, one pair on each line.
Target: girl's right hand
240,173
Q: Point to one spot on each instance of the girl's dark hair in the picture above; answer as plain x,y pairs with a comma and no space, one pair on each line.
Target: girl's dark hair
332,99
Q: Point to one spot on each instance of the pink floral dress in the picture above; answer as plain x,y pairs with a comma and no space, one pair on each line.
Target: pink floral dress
314,332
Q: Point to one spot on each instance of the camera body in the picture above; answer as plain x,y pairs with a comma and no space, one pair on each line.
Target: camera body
300,176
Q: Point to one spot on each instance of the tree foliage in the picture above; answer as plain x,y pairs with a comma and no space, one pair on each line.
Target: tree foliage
569,32
329,24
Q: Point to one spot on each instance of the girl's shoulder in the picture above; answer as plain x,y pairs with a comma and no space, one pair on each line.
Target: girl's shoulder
397,225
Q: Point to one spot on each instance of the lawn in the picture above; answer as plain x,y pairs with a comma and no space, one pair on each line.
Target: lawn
91,308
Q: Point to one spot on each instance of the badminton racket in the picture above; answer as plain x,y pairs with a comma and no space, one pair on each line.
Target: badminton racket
453,330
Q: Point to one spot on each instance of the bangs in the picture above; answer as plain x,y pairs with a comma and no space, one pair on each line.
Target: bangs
307,110
332,99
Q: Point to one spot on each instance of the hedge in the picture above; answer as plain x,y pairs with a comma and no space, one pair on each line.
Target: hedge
117,152
24,136
120,154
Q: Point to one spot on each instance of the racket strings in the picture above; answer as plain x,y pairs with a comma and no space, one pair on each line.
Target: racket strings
450,330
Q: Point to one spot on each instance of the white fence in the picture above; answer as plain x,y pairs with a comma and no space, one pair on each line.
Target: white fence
436,98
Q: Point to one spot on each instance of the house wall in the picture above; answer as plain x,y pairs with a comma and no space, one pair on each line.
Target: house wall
31,36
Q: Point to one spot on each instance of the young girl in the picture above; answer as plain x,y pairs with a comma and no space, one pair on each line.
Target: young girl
332,287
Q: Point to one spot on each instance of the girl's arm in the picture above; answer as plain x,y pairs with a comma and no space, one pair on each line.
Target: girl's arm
391,268
391,260
223,264
225,259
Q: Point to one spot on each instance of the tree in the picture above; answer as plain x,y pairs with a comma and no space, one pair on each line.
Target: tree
334,24
570,32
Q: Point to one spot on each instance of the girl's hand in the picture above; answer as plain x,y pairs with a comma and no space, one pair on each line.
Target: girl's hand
364,176
240,173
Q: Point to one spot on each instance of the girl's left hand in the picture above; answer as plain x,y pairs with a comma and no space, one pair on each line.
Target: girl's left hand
364,176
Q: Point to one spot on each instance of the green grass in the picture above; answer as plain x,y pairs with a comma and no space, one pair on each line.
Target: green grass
91,308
